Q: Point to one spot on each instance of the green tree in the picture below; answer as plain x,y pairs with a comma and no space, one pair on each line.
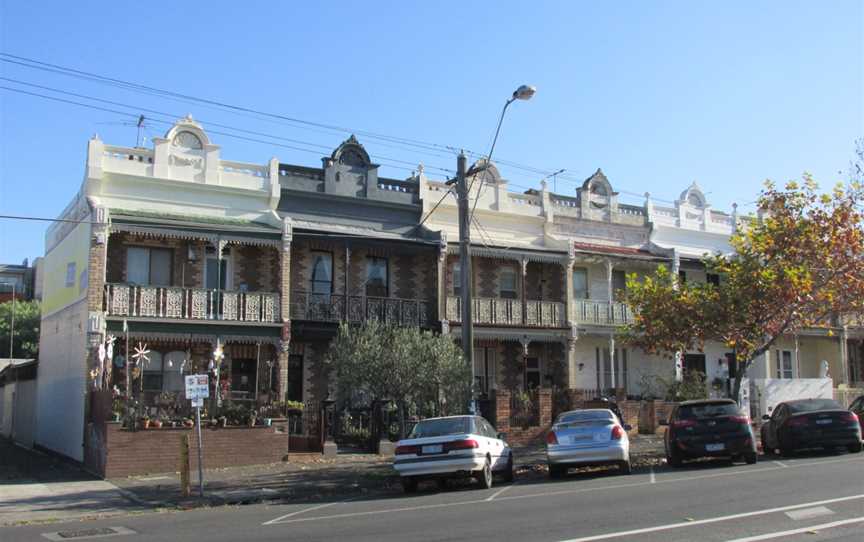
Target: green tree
797,267
422,373
28,315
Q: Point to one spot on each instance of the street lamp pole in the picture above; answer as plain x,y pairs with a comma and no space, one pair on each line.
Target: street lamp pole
524,92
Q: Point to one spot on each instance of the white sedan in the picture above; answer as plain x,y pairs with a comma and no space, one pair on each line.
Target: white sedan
587,437
452,447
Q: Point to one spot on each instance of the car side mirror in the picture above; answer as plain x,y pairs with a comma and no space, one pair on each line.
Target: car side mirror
627,427
502,436
766,417
663,422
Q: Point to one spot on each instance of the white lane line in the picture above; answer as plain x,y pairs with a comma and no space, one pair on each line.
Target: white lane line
737,472
809,513
653,476
783,465
500,491
682,524
311,508
780,534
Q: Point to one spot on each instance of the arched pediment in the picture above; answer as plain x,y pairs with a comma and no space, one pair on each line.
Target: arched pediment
693,196
188,135
351,153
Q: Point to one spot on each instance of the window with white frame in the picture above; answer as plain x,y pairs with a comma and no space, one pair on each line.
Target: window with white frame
484,369
148,266
376,277
322,273
152,372
580,283
507,283
783,359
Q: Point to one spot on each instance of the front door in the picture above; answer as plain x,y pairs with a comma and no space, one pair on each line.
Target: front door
243,373
295,377
532,373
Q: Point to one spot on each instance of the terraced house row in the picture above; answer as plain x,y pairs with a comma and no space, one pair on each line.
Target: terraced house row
191,254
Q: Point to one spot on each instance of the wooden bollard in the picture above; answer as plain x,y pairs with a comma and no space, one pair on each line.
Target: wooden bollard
185,467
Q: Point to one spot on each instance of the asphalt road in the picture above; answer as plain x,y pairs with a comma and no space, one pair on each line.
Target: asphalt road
812,498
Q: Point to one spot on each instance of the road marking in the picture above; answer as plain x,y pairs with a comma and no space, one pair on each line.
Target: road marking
311,508
809,513
783,465
679,525
653,476
150,479
737,472
810,529
500,491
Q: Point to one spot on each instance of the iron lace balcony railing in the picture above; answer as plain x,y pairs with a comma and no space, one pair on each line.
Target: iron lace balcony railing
175,302
357,308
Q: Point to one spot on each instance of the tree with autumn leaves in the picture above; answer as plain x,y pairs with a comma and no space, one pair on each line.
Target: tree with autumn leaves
797,266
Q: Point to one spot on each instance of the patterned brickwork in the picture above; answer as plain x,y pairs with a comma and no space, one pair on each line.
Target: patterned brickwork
405,276
485,271
511,365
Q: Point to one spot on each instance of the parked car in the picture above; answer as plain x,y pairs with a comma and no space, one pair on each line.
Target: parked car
708,428
857,408
593,436
810,423
452,447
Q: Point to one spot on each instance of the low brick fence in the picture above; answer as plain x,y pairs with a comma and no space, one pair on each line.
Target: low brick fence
112,451
643,416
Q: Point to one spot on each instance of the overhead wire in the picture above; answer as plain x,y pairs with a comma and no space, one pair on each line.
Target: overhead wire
423,147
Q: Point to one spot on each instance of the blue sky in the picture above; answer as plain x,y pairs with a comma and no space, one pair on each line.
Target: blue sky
658,94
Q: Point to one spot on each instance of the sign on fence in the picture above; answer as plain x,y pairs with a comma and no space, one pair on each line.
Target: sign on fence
197,387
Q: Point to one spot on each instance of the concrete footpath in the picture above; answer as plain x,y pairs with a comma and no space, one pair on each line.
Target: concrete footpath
35,487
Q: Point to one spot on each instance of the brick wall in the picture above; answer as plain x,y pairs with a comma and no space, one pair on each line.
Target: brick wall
522,435
158,450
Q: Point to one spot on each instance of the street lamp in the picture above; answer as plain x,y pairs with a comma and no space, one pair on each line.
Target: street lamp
524,92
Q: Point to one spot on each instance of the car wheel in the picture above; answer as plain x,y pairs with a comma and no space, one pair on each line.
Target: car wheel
409,484
625,467
485,475
751,458
855,448
556,471
674,458
507,474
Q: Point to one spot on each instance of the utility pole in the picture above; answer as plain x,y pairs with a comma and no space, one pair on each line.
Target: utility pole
465,259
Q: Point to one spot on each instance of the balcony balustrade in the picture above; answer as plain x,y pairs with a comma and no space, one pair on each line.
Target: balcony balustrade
333,308
174,302
602,313
508,312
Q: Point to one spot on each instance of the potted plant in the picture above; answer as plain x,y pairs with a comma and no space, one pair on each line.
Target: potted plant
223,421
294,408
145,422
253,417
157,423
188,422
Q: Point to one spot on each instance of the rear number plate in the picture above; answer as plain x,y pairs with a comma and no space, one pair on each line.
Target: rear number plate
433,449
823,422
580,438
714,447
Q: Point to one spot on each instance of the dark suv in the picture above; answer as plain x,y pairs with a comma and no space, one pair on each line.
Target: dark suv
708,428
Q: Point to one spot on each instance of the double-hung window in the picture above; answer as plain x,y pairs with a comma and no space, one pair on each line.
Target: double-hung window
457,279
322,273
147,266
580,283
619,283
784,363
376,277
507,284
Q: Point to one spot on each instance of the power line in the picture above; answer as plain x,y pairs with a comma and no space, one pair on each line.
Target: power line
226,134
424,147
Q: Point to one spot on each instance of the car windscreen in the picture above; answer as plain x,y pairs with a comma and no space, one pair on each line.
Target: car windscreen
440,427
813,405
707,410
589,418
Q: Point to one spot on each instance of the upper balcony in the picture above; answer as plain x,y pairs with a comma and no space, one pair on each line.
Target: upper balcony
160,276
175,302
601,313
509,312
359,308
